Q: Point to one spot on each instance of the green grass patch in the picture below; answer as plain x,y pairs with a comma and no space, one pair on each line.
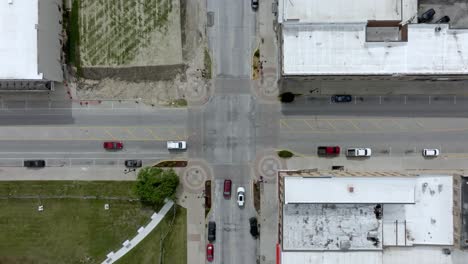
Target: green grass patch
285,154
179,102
67,231
73,31
174,245
68,188
207,64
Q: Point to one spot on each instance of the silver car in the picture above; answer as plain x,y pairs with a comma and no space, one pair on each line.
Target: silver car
430,152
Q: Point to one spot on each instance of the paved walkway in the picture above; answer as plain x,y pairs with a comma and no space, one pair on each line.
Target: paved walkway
66,174
142,233
192,198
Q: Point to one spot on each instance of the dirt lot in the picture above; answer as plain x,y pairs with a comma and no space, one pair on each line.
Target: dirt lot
176,37
130,33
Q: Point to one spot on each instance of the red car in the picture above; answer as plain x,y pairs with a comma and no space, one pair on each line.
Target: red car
113,145
328,151
209,252
227,189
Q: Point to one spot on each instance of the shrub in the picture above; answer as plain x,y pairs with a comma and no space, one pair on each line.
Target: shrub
155,184
285,154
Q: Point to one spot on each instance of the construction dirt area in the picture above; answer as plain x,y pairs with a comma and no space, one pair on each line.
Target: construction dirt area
150,50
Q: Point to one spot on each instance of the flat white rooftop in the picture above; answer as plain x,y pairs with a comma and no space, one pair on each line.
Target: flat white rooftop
391,255
339,11
331,227
349,190
18,40
341,49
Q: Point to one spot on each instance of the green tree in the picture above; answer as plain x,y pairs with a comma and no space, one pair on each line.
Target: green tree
155,184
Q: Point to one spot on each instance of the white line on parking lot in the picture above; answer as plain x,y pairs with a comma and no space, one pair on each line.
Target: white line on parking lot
454,99
405,99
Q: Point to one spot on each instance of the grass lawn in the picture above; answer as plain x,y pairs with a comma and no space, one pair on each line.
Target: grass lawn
67,188
175,244
75,230
67,231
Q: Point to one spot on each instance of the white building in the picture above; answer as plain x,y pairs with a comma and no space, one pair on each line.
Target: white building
30,46
366,37
366,219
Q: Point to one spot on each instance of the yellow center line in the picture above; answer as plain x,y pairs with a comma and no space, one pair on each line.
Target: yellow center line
109,134
128,130
282,122
354,125
153,134
330,124
309,125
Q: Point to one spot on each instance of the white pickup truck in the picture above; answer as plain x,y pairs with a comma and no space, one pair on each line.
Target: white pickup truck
358,152
176,145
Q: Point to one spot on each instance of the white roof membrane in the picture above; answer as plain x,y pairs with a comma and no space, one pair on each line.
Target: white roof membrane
18,44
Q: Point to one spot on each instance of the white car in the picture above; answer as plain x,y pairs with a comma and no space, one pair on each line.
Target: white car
430,152
241,196
176,145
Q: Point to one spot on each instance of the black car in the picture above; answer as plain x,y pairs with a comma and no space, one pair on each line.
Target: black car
253,227
342,98
254,4
133,163
427,16
442,20
211,231
34,163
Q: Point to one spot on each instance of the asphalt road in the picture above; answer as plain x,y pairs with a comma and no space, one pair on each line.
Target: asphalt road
391,126
226,131
75,136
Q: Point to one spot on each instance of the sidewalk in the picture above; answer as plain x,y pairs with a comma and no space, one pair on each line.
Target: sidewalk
446,163
195,226
66,174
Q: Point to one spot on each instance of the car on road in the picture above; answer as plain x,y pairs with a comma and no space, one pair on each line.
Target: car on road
241,196
34,163
254,4
328,151
430,152
253,227
341,98
211,231
227,189
176,145
358,152
209,252
427,16
442,20
113,145
133,163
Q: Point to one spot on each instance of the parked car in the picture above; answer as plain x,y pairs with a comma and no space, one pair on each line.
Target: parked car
253,227
254,4
209,252
34,163
358,152
427,16
241,196
342,98
176,145
113,145
133,163
227,188
442,20
430,152
211,231
328,151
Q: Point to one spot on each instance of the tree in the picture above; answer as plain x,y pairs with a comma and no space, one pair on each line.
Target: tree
155,184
